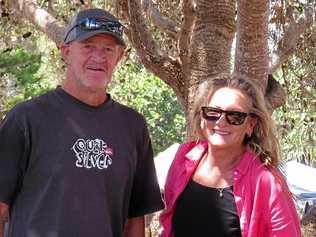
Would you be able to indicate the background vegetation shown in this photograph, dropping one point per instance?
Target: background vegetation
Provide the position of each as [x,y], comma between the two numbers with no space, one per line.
[30,65]
[25,74]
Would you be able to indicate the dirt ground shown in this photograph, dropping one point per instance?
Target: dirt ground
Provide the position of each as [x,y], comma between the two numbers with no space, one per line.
[309,227]
[153,227]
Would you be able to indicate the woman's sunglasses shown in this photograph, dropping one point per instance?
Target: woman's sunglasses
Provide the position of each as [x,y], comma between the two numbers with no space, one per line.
[88,24]
[232,117]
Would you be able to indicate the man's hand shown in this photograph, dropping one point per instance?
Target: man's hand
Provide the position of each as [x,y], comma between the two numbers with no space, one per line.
[4,217]
[134,227]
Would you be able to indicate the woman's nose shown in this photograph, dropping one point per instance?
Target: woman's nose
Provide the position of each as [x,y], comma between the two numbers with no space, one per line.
[222,119]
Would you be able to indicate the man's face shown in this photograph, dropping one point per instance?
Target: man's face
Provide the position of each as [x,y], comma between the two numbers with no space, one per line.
[90,63]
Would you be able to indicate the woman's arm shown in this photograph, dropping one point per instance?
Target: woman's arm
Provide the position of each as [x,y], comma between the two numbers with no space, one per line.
[284,218]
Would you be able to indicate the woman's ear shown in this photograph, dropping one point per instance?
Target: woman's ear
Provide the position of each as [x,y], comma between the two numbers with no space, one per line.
[252,123]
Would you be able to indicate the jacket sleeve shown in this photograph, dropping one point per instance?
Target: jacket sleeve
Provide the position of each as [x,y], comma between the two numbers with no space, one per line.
[283,216]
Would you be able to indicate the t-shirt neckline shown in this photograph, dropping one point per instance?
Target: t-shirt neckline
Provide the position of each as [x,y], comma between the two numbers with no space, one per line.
[73,100]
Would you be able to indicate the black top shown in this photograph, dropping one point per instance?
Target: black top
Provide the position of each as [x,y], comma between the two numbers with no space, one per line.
[202,211]
[68,169]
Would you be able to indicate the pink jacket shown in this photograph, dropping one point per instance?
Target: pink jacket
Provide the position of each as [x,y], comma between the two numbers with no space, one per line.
[263,202]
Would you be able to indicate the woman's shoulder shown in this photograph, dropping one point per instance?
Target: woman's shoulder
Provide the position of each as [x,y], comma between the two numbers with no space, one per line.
[269,178]
[186,147]
[266,175]
[191,150]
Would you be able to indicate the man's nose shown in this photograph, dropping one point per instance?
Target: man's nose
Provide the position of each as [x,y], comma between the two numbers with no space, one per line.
[99,55]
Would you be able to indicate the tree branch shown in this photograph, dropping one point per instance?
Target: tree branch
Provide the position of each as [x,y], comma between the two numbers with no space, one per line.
[167,68]
[209,41]
[184,39]
[29,9]
[164,23]
[275,94]
[286,46]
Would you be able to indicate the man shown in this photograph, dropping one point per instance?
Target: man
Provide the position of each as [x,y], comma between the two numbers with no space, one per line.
[73,162]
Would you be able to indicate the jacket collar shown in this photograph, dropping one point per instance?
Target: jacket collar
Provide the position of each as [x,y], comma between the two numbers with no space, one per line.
[194,155]
[197,152]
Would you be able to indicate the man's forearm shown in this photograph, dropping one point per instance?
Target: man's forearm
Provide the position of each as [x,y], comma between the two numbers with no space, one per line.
[4,216]
[1,229]
[135,227]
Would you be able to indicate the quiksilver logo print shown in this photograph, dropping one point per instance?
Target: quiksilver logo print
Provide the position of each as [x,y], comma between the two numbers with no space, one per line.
[92,154]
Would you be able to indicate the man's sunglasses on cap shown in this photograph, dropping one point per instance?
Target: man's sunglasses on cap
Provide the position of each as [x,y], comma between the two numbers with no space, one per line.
[89,24]
[232,117]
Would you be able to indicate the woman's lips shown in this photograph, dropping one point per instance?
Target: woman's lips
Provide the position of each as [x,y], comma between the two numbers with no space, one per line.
[221,132]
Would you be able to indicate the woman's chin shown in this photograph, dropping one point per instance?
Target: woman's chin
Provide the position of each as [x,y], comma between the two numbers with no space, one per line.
[221,143]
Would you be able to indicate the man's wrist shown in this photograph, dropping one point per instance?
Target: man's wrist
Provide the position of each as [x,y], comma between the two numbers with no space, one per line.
[4,212]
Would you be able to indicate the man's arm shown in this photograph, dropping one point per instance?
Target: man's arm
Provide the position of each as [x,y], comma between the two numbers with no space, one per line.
[4,216]
[134,227]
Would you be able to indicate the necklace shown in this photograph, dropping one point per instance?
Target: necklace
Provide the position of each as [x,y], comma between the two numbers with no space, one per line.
[220,190]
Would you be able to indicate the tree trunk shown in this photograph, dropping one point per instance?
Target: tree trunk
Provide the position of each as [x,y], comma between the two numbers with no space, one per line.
[202,37]
[251,57]
[210,45]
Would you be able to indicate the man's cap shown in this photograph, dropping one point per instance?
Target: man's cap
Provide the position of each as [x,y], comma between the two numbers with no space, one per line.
[74,32]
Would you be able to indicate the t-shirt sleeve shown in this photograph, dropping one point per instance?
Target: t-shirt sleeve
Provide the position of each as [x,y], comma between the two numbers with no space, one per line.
[145,197]
[12,149]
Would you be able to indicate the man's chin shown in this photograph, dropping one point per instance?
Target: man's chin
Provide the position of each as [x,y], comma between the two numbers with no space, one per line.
[96,86]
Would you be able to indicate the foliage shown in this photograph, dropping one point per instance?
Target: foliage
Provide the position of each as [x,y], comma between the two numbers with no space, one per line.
[20,67]
[136,87]
[296,118]
[32,74]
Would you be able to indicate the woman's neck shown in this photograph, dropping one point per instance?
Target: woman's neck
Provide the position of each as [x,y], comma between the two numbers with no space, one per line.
[224,160]
[217,166]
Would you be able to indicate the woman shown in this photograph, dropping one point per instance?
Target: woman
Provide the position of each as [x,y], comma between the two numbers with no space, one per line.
[226,182]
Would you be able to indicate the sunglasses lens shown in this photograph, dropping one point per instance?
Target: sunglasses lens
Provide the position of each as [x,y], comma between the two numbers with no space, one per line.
[232,117]
[89,24]
[96,24]
[235,118]
[211,114]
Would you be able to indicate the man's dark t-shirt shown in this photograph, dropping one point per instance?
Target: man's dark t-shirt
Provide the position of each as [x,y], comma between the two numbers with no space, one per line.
[69,169]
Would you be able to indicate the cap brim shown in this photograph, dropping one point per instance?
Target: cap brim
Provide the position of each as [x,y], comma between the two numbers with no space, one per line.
[88,34]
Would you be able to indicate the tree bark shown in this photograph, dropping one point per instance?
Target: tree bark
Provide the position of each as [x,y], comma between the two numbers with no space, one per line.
[41,19]
[210,43]
[251,57]
[286,46]
[162,22]
[203,41]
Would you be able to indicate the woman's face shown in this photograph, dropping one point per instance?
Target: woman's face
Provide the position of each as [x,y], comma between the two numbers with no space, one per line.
[222,123]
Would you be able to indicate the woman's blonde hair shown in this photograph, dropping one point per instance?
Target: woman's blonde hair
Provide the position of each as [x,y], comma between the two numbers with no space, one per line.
[263,140]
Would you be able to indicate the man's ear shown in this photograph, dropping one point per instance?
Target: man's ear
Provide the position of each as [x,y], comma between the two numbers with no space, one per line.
[121,54]
[64,50]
